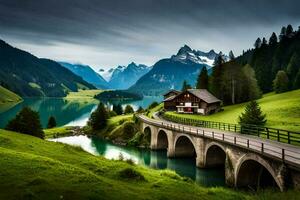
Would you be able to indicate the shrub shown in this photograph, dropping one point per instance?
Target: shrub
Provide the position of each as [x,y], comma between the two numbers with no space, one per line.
[51,122]
[112,113]
[128,130]
[28,122]
[118,109]
[128,109]
[153,105]
[140,110]
[131,174]
[281,82]
[98,118]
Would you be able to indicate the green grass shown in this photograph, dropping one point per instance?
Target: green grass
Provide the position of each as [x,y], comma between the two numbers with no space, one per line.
[283,111]
[31,168]
[113,127]
[58,131]
[34,85]
[83,95]
[155,109]
[8,99]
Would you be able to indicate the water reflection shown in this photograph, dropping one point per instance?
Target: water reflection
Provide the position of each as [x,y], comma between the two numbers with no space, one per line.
[70,113]
[154,159]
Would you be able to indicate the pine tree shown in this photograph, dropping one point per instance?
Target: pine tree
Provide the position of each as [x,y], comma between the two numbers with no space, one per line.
[252,115]
[282,33]
[257,43]
[98,118]
[51,122]
[185,86]
[219,59]
[273,39]
[252,89]
[140,109]
[128,109]
[281,82]
[297,81]
[264,42]
[28,122]
[293,67]
[118,109]
[289,30]
[231,55]
[216,77]
[202,81]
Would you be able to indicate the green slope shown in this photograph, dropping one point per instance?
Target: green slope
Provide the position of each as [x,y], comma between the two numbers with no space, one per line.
[8,99]
[283,111]
[36,169]
[8,96]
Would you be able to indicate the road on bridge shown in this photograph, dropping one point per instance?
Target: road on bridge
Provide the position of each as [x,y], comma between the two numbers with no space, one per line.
[270,148]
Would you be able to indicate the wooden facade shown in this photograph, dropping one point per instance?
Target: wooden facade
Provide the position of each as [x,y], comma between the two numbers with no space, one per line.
[192,101]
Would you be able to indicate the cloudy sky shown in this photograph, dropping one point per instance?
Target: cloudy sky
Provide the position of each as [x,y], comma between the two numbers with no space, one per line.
[107,33]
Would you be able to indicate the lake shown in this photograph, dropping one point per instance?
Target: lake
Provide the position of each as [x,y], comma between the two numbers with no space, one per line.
[153,159]
[66,113]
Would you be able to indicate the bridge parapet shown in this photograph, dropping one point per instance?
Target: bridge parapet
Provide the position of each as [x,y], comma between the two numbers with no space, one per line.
[240,154]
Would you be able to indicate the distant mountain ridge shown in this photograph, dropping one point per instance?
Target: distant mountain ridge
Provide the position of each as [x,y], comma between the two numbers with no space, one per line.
[87,73]
[29,76]
[123,77]
[170,73]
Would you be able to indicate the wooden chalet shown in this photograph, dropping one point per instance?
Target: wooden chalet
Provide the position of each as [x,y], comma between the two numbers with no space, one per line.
[198,101]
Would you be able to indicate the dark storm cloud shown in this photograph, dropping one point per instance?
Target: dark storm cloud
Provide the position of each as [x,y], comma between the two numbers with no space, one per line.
[136,28]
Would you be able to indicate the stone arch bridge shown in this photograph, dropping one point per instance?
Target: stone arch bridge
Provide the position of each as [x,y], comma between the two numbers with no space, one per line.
[248,161]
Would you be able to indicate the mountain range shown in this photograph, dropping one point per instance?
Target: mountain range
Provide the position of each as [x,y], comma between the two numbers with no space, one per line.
[170,73]
[29,76]
[88,74]
[124,77]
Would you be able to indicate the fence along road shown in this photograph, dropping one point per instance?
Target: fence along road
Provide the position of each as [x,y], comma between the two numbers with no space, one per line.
[276,150]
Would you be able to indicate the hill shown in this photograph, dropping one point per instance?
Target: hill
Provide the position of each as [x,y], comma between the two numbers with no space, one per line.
[32,168]
[8,96]
[283,111]
[171,72]
[87,73]
[29,76]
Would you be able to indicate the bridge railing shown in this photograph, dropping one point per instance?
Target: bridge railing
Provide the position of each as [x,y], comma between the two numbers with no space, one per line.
[285,136]
[277,152]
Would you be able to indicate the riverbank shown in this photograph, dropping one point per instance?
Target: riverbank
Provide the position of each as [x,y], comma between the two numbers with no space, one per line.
[65,172]
[121,130]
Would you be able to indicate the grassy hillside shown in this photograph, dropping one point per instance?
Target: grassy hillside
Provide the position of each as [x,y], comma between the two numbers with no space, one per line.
[32,168]
[8,99]
[83,95]
[283,111]
[8,96]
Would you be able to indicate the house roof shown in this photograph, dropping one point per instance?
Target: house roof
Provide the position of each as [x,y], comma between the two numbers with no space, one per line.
[170,98]
[176,91]
[200,93]
[204,95]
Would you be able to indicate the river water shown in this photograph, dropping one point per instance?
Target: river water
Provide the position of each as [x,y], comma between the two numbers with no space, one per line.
[77,113]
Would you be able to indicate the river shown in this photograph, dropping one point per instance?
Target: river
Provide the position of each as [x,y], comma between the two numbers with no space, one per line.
[74,113]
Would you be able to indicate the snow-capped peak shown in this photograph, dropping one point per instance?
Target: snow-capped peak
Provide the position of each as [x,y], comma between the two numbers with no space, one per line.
[187,55]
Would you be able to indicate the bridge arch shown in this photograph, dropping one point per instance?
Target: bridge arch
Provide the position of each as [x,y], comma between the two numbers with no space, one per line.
[148,133]
[184,146]
[215,155]
[254,172]
[162,139]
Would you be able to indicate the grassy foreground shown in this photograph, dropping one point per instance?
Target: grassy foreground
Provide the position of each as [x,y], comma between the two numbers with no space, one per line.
[283,111]
[31,168]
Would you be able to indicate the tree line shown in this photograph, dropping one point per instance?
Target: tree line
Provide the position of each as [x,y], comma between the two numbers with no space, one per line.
[270,66]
